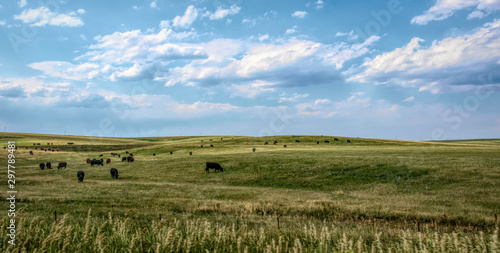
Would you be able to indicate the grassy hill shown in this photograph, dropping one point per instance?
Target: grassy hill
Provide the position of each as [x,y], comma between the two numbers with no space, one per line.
[370,193]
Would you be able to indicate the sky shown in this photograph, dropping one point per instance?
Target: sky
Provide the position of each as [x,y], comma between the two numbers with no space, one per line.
[395,69]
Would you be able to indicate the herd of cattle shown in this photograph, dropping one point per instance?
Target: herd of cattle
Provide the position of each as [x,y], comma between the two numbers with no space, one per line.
[130,158]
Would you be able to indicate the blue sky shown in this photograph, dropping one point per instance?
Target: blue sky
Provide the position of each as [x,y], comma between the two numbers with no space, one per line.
[414,70]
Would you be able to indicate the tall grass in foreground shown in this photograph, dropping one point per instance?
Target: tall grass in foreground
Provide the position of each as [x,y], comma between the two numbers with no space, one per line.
[200,235]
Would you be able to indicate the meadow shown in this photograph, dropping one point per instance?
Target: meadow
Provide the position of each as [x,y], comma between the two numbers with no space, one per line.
[370,195]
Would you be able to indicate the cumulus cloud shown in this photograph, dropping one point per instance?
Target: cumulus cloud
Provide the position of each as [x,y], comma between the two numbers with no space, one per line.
[452,61]
[299,14]
[263,37]
[253,89]
[3,22]
[187,19]
[221,13]
[42,16]
[443,9]
[320,107]
[22,3]
[291,30]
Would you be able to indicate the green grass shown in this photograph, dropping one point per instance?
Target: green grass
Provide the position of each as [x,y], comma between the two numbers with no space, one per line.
[364,190]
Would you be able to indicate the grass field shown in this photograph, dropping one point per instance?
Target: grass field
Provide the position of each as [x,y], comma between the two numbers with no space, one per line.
[367,195]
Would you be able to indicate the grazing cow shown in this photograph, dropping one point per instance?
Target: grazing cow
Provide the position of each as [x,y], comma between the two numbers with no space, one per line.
[114,173]
[42,166]
[348,141]
[4,147]
[48,165]
[48,143]
[253,150]
[108,161]
[45,150]
[98,162]
[119,155]
[131,154]
[80,174]
[297,141]
[34,144]
[49,149]
[36,148]
[211,145]
[317,142]
[190,153]
[201,146]
[53,150]
[31,152]
[210,139]
[51,143]
[88,160]
[38,144]
[154,154]
[215,166]
[126,152]
[124,159]
[284,146]
[171,152]
[221,139]
[275,142]
[70,143]
[100,155]
[61,165]
[26,147]
[327,141]
[265,143]
[335,139]
[130,159]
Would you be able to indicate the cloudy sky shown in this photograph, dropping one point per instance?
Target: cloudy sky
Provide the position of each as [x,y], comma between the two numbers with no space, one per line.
[414,70]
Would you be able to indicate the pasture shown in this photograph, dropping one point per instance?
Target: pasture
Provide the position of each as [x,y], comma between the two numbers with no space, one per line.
[370,194]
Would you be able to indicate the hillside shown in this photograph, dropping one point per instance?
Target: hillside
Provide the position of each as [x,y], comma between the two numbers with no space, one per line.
[364,186]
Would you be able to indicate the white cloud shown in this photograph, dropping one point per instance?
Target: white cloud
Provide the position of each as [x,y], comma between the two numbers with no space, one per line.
[81,11]
[409,99]
[293,98]
[351,36]
[263,37]
[252,90]
[43,16]
[221,13]
[68,70]
[199,107]
[299,14]
[476,14]
[320,107]
[164,24]
[443,9]
[291,30]
[153,4]
[251,22]
[22,3]
[3,22]
[187,19]
[452,61]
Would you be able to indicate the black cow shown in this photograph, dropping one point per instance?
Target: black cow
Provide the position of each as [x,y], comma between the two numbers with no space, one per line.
[335,139]
[42,166]
[327,141]
[317,142]
[131,154]
[190,153]
[297,141]
[201,146]
[275,142]
[211,145]
[215,166]
[154,154]
[130,159]
[253,150]
[126,152]
[80,174]
[114,173]
[97,162]
[48,165]
[348,141]
[61,165]
[119,155]
[171,152]
[31,152]
[284,146]
[124,159]
[100,155]
[265,143]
